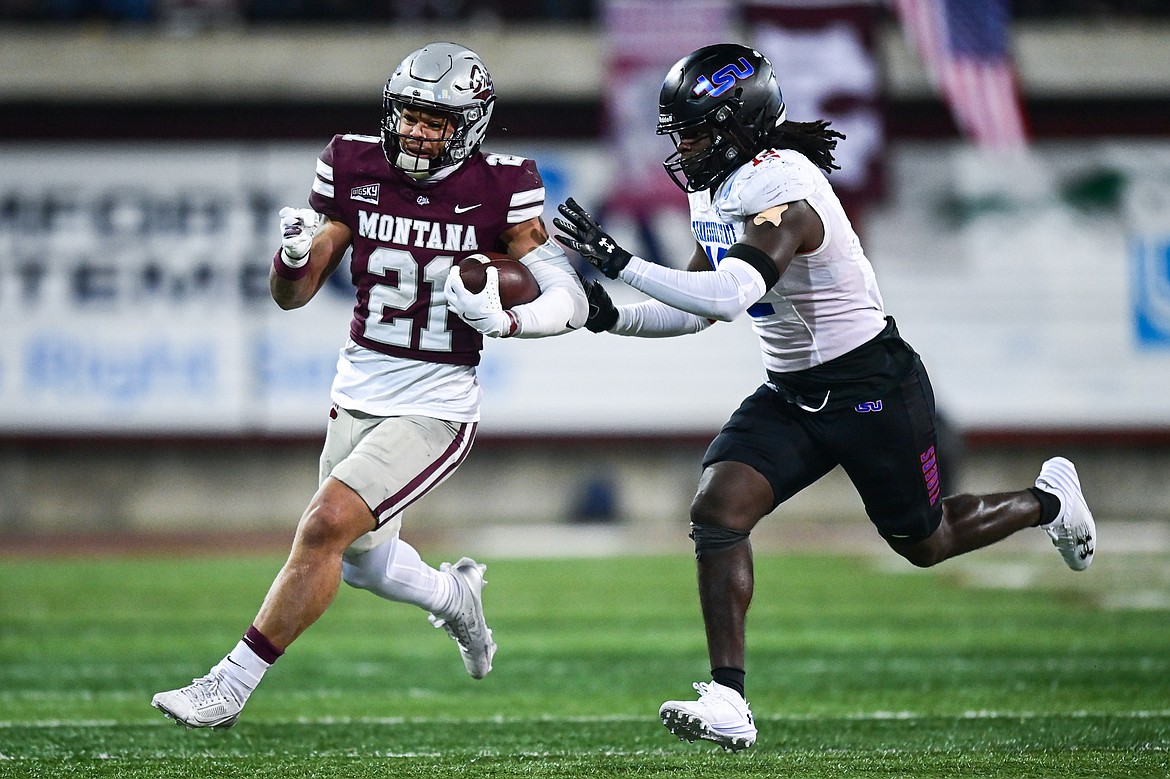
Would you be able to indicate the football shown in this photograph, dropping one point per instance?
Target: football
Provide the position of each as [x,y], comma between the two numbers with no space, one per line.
[517,284]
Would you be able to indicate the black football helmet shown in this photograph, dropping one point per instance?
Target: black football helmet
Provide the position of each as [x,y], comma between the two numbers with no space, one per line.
[728,90]
[445,79]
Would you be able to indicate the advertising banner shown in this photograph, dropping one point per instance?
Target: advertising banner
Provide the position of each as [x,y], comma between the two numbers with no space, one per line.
[134,298]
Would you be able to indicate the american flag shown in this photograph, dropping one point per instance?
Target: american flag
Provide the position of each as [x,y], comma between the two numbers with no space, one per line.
[964,46]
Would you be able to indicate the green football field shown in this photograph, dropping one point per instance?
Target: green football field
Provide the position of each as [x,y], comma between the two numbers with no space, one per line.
[994,665]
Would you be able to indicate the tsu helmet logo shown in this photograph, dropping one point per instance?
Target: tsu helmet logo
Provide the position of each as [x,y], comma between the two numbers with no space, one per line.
[723,79]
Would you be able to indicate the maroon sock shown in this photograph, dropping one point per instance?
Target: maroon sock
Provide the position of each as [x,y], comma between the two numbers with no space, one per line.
[260,644]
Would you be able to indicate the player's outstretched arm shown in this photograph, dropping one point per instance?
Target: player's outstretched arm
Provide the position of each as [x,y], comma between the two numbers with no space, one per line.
[311,247]
[647,319]
[719,294]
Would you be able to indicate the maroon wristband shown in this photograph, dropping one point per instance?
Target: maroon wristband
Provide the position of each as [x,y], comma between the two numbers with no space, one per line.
[286,271]
[515,324]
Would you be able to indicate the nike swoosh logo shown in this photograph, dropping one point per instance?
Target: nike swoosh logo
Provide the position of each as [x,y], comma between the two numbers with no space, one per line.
[465,209]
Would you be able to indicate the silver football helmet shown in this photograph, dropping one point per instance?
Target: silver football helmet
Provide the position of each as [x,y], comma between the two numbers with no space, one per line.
[440,78]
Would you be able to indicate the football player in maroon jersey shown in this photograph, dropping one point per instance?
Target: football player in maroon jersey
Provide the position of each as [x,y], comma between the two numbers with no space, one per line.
[409,204]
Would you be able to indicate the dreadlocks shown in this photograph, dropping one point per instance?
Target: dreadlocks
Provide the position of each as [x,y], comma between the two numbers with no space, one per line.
[812,139]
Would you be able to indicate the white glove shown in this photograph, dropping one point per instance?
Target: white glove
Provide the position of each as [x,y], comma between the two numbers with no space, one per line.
[482,310]
[297,228]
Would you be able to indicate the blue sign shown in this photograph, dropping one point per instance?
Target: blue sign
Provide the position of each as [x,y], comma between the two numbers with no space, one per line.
[1150,288]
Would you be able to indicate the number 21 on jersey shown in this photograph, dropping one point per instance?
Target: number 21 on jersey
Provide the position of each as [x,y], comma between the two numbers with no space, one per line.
[431,323]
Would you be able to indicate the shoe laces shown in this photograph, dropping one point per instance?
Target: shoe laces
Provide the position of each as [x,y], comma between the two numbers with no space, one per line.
[461,635]
[710,690]
[204,690]
[703,688]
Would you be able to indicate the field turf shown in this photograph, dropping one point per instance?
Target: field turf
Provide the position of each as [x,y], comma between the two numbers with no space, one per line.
[995,665]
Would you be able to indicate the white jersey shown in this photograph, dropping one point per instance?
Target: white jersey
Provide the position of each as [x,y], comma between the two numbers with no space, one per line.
[827,302]
[387,385]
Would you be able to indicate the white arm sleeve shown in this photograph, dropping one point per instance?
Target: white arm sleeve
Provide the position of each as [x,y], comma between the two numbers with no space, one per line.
[655,319]
[562,305]
[721,294]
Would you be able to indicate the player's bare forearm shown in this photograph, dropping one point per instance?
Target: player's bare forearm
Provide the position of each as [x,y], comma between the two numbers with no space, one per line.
[290,294]
[329,247]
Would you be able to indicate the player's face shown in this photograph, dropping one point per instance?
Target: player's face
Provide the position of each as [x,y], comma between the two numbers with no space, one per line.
[423,132]
[693,140]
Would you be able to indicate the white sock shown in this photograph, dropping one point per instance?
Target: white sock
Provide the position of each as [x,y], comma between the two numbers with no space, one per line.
[241,670]
[395,571]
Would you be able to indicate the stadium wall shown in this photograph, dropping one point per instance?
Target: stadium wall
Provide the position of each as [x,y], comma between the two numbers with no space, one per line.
[511,497]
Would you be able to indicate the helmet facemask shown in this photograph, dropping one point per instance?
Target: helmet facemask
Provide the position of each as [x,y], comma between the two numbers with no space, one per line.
[455,145]
[731,145]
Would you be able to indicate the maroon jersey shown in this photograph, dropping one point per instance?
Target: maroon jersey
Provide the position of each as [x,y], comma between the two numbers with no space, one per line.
[407,234]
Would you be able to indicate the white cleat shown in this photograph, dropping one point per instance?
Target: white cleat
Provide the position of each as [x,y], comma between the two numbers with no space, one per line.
[204,703]
[468,626]
[1073,532]
[720,715]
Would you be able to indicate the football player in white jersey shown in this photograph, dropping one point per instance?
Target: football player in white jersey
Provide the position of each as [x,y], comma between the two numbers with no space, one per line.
[409,204]
[842,388]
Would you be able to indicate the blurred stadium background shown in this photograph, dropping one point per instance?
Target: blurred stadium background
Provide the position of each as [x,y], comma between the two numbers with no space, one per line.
[148,384]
